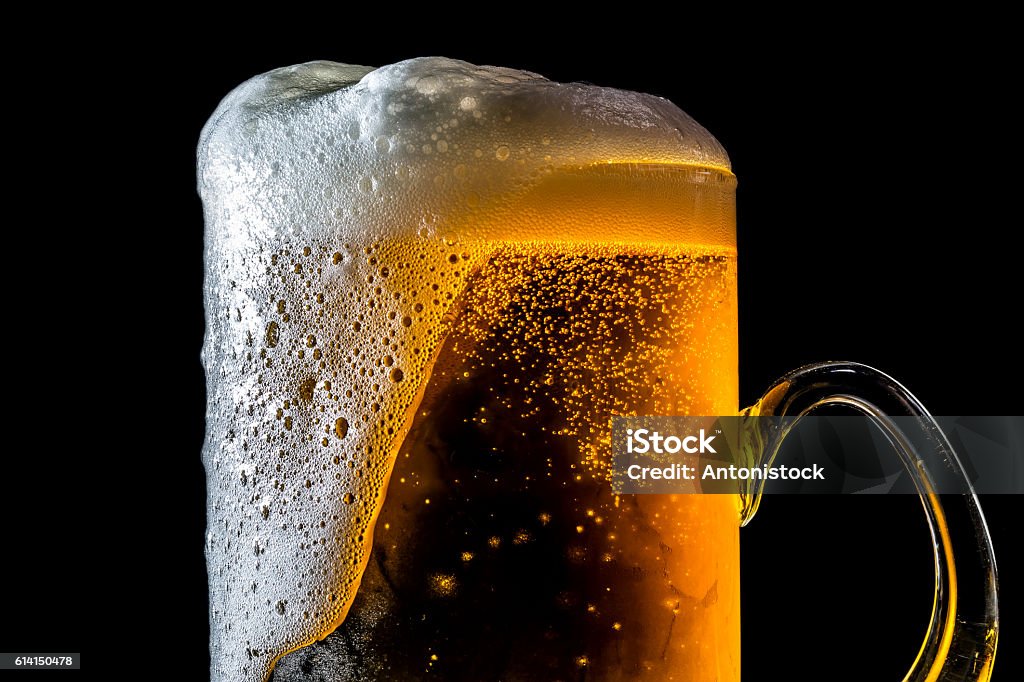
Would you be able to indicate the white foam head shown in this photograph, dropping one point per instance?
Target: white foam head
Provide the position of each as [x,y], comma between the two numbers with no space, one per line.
[376,150]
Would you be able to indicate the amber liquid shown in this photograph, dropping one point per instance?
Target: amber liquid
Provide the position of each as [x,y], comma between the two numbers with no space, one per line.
[500,552]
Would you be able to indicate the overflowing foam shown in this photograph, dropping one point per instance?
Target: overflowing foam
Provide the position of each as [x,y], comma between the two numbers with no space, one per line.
[311,149]
[345,208]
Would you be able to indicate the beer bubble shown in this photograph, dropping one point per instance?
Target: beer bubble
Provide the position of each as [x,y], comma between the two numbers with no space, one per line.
[443,585]
[273,334]
[428,85]
[501,153]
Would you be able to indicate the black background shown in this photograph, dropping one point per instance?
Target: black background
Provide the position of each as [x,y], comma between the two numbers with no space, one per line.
[873,226]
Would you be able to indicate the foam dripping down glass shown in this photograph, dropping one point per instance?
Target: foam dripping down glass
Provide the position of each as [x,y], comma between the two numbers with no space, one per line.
[428,289]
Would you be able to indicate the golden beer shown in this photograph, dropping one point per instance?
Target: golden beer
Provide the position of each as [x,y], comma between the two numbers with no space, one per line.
[429,288]
[500,551]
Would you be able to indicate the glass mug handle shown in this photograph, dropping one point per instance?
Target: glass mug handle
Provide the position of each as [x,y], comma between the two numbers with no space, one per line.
[960,643]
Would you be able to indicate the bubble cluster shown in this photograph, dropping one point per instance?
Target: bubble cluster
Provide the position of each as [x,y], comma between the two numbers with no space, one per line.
[500,539]
[346,209]
[616,331]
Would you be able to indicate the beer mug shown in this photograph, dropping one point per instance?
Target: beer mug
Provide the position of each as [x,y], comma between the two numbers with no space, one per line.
[429,288]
